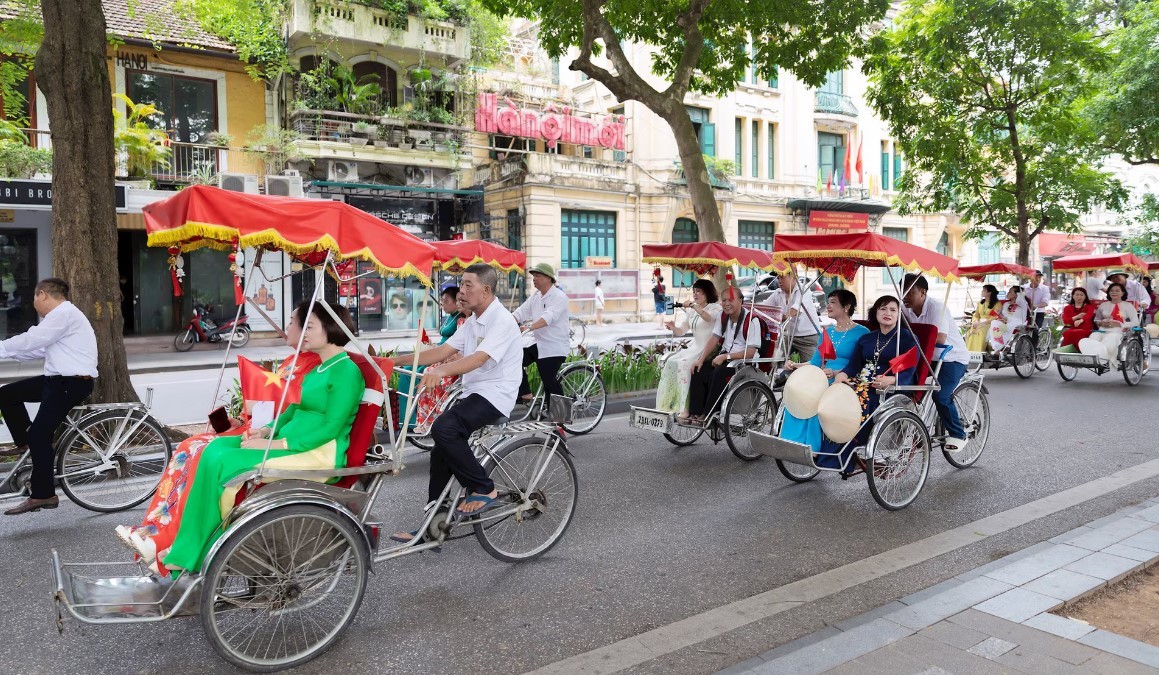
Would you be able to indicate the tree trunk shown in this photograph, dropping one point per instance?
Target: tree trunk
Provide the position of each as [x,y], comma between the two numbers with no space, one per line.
[72,72]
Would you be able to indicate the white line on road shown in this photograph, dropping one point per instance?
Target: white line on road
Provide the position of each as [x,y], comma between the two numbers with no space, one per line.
[720,620]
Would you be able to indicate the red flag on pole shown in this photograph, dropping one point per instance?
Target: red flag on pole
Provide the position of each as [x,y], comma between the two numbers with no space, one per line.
[848,159]
[259,384]
[860,175]
[904,362]
[829,184]
[424,338]
[828,351]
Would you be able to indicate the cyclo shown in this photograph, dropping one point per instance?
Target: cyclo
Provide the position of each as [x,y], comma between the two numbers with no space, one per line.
[748,399]
[288,573]
[1029,349]
[905,427]
[1133,350]
[581,380]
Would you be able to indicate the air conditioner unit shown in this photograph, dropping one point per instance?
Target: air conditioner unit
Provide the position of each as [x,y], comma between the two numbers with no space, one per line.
[291,172]
[342,172]
[238,182]
[284,186]
[417,176]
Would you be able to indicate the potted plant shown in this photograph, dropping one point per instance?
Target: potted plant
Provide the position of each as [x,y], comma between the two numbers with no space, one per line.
[360,133]
[218,139]
[144,147]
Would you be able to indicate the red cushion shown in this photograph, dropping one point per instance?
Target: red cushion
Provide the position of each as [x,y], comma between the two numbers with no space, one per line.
[926,335]
[369,411]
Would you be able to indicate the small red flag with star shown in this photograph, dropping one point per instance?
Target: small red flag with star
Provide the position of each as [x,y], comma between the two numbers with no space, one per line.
[259,384]
[904,362]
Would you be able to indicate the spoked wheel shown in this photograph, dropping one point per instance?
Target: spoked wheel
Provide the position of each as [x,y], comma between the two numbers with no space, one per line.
[901,460]
[798,473]
[284,587]
[532,472]
[1133,362]
[684,435]
[241,336]
[584,384]
[1042,354]
[1067,373]
[1022,354]
[425,441]
[974,410]
[576,332]
[184,340]
[749,406]
[113,460]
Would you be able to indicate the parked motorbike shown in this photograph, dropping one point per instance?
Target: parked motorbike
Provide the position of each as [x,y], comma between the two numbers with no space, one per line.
[201,328]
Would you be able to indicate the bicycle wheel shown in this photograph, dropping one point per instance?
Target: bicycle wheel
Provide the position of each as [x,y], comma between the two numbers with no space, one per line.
[1042,353]
[584,383]
[798,473]
[184,340]
[113,460]
[974,410]
[576,332]
[551,500]
[749,406]
[1133,362]
[900,460]
[684,435]
[283,587]
[1022,355]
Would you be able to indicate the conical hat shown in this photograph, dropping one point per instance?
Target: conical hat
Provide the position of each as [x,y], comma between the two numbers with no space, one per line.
[803,390]
[840,413]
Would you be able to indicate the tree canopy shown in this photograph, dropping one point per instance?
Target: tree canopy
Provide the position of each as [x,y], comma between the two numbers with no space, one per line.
[986,110]
[1125,107]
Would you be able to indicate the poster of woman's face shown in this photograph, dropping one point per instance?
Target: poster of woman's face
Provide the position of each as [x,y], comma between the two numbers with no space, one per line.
[370,296]
[398,309]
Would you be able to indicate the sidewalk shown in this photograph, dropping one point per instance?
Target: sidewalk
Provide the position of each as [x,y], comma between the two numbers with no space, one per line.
[155,354]
[996,618]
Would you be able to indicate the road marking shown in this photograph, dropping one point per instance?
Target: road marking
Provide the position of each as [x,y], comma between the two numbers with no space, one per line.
[675,636]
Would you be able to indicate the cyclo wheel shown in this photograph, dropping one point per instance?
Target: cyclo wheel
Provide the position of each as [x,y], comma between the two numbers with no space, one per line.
[1022,356]
[748,406]
[283,587]
[1042,354]
[972,403]
[683,435]
[113,460]
[798,473]
[583,383]
[1067,373]
[1132,364]
[576,332]
[900,461]
[531,533]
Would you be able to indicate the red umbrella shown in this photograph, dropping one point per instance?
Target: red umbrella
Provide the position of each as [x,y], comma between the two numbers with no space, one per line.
[201,216]
[704,257]
[843,254]
[979,271]
[1091,263]
[455,256]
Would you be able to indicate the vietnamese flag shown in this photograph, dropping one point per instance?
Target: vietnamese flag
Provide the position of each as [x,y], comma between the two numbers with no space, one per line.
[858,166]
[259,384]
[904,362]
[425,339]
[828,351]
[848,158]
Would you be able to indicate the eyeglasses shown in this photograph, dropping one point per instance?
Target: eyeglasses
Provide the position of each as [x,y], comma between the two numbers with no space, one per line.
[396,305]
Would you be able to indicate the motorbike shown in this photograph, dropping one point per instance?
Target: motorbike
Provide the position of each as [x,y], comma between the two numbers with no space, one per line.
[201,328]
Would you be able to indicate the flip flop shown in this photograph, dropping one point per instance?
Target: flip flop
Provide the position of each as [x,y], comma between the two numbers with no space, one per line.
[475,499]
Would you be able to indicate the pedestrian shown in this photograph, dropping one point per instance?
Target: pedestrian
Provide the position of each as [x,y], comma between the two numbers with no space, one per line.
[599,303]
[64,338]
[658,298]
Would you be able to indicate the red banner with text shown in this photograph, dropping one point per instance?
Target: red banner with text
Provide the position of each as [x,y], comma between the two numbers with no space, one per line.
[839,220]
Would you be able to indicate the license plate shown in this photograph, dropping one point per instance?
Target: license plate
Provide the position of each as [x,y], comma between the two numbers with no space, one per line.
[652,421]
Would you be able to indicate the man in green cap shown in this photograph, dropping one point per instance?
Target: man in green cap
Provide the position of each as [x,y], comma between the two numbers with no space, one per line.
[545,315]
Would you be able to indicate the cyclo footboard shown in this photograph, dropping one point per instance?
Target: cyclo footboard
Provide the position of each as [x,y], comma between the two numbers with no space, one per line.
[779,448]
[119,592]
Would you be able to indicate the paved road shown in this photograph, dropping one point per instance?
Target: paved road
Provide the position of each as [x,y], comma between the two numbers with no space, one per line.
[661,534]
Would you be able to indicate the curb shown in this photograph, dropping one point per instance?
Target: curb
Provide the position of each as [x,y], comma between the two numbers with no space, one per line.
[1023,588]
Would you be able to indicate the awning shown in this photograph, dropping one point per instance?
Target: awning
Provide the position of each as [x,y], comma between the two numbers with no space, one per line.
[1098,263]
[1051,244]
[850,205]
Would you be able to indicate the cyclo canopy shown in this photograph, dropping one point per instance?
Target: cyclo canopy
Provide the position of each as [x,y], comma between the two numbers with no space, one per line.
[844,254]
[453,257]
[1092,263]
[705,257]
[979,271]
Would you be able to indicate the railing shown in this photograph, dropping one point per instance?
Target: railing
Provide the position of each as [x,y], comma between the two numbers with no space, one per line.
[520,86]
[361,22]
[831,103]
[333,126]
[562,166]
[193,162]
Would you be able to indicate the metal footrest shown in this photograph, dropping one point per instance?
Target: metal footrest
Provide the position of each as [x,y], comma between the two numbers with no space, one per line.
[119,592]
[779,448]
[1080,360]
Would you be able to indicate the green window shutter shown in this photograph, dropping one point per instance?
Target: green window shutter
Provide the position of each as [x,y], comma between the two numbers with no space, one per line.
[685,231]
[708,139]
[739,145]
[896,168]
[756,147]
[756,234]
[892,274]
[771,140]
[586,233]
[885,170]
[774,80]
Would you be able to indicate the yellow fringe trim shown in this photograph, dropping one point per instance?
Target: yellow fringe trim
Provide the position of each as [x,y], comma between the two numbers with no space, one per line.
[677,262]
[222,238]
[450,264]
[1130,268]
[891,261]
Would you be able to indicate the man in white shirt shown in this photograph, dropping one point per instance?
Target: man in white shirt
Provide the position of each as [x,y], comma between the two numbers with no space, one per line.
[1136,292]
[545,315]
[64,338]
[801,323]
[1094,286]
[490,348]
[1037,298]
[736,342]
[920,308]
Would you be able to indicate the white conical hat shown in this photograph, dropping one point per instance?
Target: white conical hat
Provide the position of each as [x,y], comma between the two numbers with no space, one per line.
[1153,331]
[803,390]
[1092,347]
[840,413]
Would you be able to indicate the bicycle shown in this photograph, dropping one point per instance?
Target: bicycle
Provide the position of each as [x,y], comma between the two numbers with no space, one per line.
[109,457]
[581,381]
[576,332]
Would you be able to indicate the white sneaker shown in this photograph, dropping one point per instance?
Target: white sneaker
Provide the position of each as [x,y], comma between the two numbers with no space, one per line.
[955,445]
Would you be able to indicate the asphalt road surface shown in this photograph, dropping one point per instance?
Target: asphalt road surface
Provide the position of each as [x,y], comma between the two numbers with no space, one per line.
[661,534]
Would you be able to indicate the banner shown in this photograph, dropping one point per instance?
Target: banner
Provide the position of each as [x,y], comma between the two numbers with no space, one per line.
[839,220]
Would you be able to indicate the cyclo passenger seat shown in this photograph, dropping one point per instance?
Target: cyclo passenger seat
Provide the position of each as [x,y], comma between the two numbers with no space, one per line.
[926,335]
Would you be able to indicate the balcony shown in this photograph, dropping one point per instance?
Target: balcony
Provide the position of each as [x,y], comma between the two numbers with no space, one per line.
[333,134]
[715,178]
[830,103]
[519,87]
[564,171]
[356,22]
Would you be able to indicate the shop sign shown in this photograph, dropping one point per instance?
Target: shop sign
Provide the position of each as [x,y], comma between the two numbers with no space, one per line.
[398,211]
[39,193]
[7,216]
[839,220]
[598,262]
[132,60]
[553,124]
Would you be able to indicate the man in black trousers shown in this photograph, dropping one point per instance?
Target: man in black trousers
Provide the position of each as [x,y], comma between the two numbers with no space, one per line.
[64,338]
